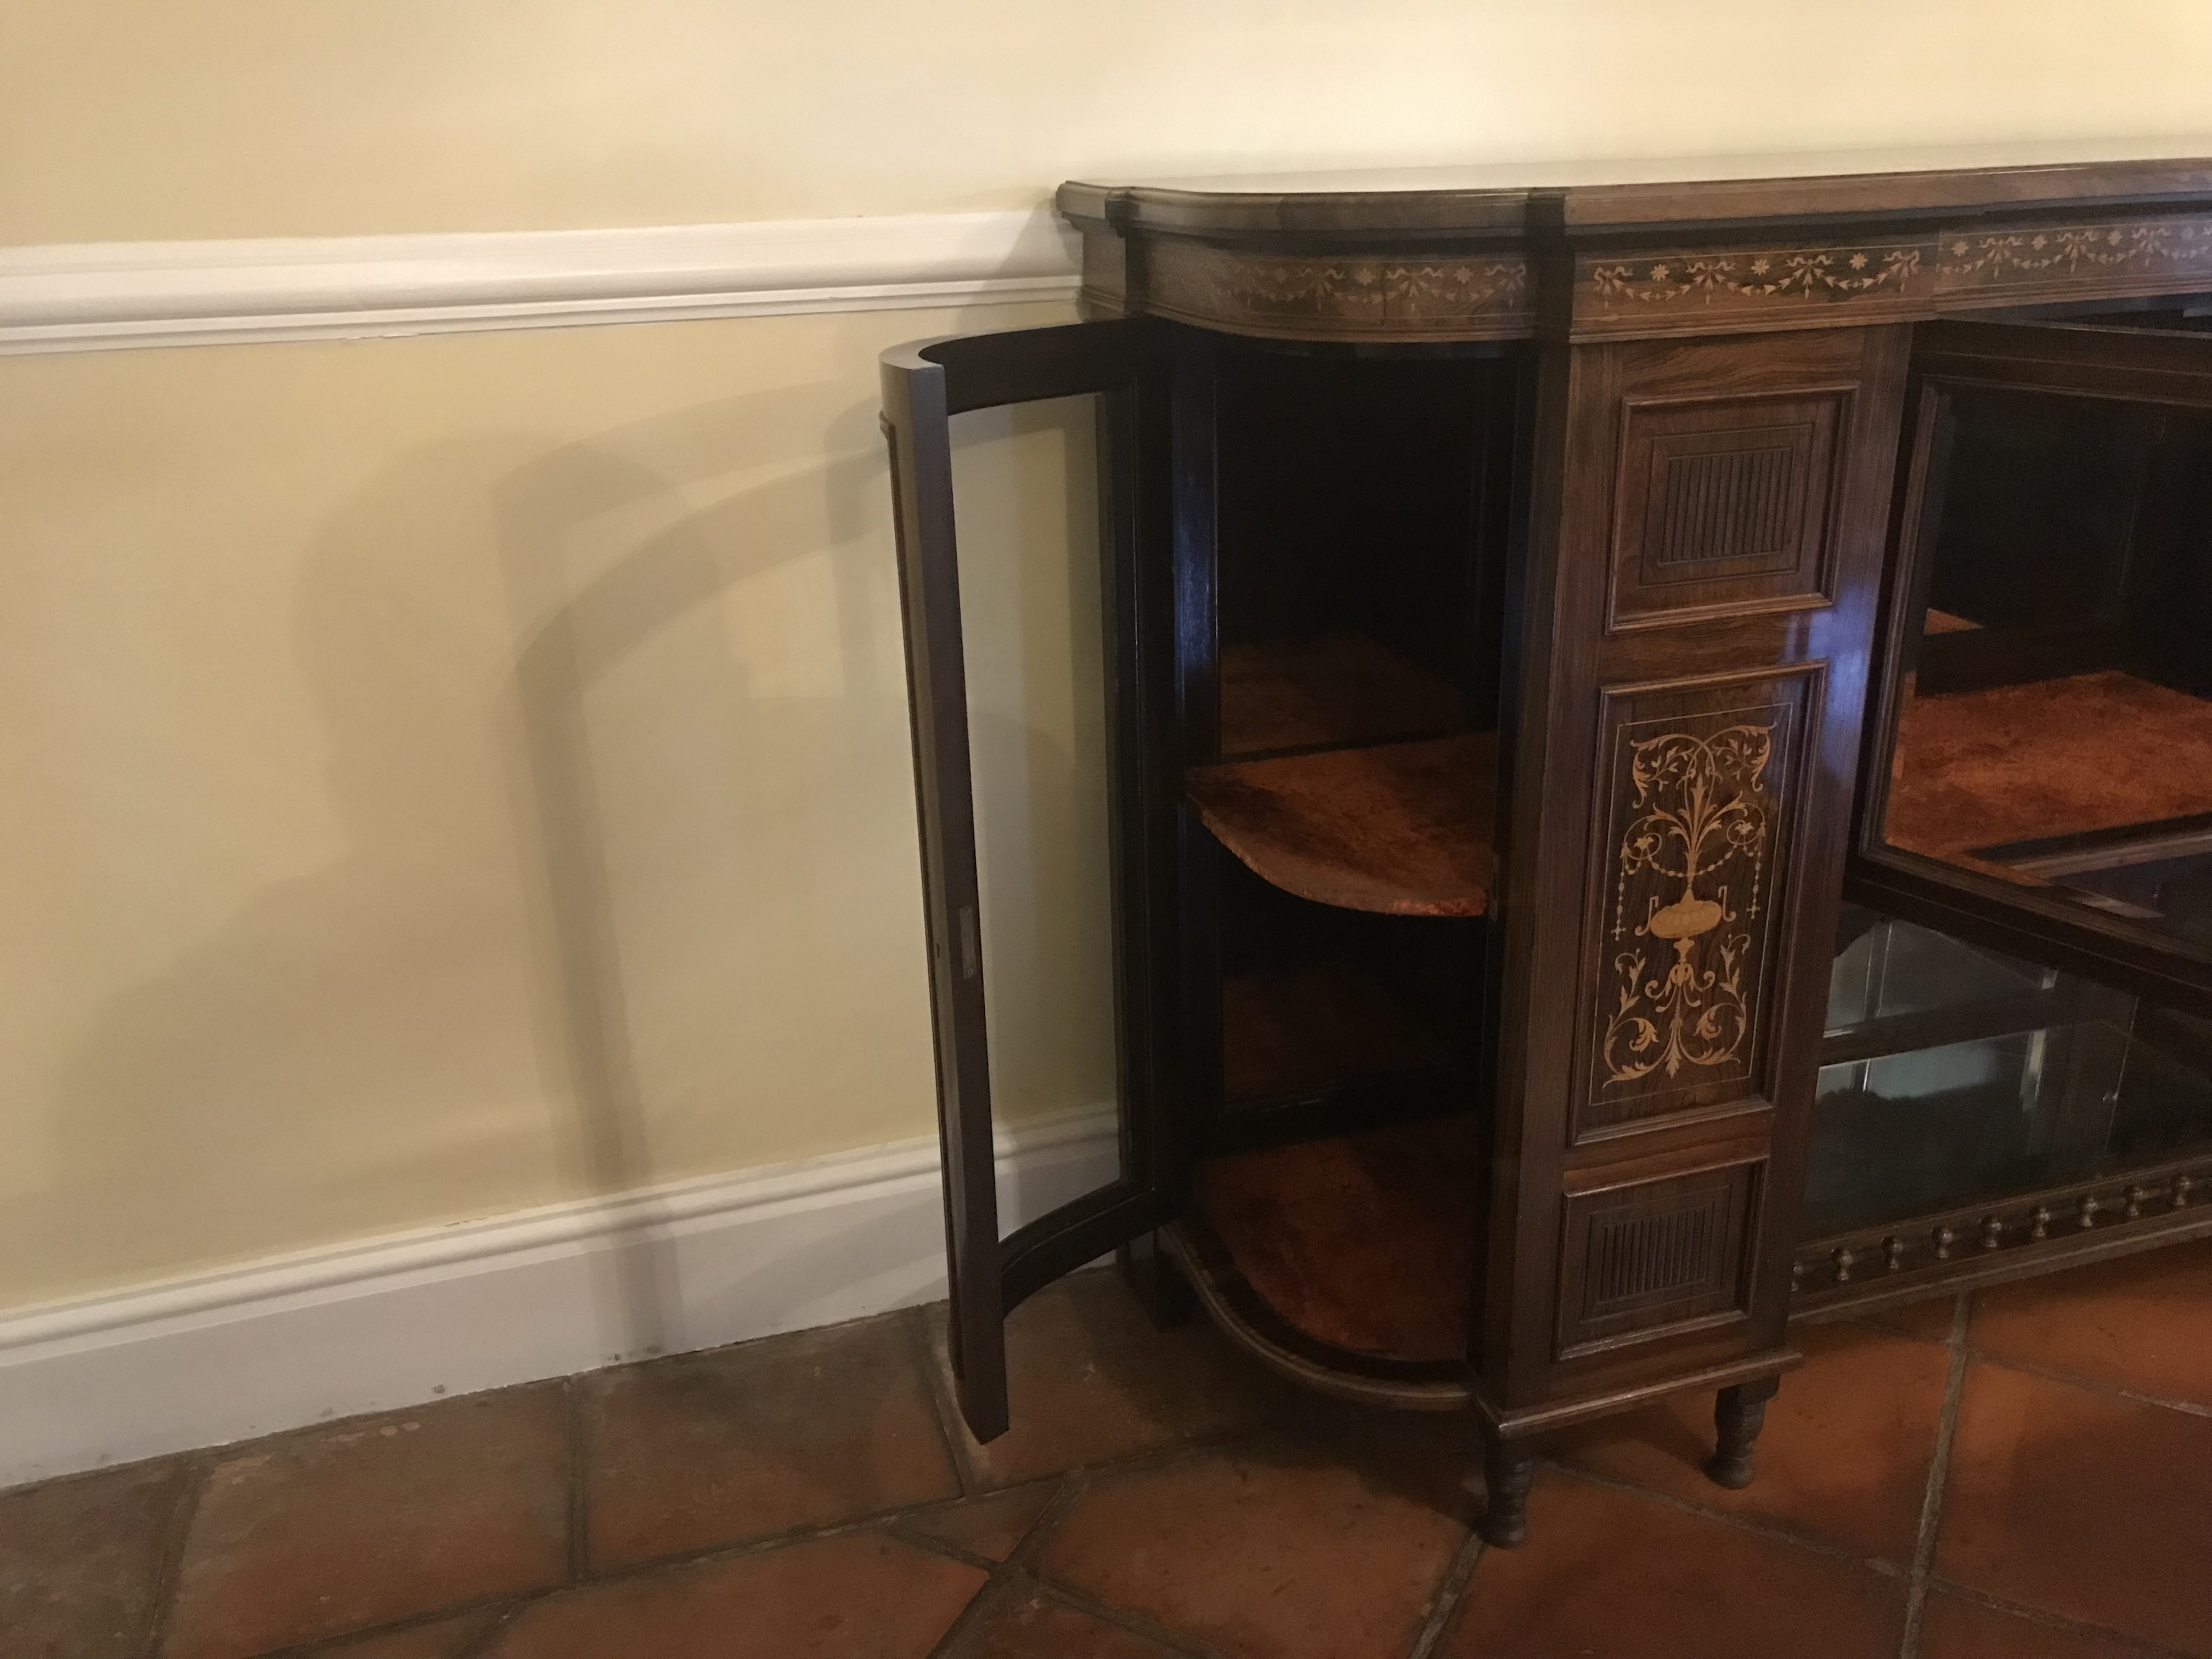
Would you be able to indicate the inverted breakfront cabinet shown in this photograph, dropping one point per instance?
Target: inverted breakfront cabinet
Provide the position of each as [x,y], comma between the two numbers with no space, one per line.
[1660,752]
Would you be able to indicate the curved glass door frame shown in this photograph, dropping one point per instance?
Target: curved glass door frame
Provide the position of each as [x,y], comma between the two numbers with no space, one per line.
[2122,369]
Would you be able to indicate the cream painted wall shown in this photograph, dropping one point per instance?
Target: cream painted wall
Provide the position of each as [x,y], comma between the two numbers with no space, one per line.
[238,118]
[447,776]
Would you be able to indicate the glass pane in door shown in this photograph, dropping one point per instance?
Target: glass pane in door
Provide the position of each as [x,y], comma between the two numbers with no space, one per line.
[1957,1075]
[2054,727]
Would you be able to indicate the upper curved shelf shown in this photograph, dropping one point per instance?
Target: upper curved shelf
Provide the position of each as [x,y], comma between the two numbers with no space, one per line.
[1403,828]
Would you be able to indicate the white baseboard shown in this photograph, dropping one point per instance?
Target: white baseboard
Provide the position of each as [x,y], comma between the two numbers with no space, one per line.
[395,1322]
[102,296]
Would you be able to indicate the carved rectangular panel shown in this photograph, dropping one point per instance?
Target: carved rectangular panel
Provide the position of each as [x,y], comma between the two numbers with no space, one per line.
[1725,506]
[1700,788]
[1638,1260]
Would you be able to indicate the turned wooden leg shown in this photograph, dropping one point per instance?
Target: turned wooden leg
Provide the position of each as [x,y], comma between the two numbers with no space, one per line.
[1508,1469]
[1739,1413]
[1165,1294]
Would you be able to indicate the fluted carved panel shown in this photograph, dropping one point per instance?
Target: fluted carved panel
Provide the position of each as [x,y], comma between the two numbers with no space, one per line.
[1724,505]
[1644,1257]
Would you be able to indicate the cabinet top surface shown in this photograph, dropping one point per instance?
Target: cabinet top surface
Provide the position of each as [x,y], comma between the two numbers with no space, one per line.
[1496,197]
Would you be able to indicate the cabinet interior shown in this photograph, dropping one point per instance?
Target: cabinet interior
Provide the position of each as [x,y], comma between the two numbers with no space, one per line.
[2054,727]
[1344,795]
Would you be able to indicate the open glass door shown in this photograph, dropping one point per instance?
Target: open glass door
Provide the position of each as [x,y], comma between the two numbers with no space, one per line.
[1123,367]
[2039,775]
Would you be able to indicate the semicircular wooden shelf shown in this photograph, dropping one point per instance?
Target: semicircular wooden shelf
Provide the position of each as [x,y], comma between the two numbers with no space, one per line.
[1400,828]
[1348,1262]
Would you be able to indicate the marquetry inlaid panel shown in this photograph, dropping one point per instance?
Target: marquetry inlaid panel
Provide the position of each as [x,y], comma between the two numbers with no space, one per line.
[1448,296]
[1703,290]
[1706,290]
[1699,791]
[1639,1259]
[2013,265]
[1725,506]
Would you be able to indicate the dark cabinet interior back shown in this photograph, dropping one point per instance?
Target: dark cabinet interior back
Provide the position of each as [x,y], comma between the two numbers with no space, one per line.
[1361,495]
[1365,491]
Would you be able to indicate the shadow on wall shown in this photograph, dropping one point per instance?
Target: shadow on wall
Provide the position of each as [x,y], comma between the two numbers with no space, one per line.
[617,734]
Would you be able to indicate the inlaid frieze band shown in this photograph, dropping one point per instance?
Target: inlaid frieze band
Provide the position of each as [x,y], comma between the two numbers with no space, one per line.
[1476,296]
[2012,263]
[1698,289]
[1789,275]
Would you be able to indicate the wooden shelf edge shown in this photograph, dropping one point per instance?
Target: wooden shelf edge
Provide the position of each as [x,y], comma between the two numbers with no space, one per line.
[1399,829]
[1247,1320]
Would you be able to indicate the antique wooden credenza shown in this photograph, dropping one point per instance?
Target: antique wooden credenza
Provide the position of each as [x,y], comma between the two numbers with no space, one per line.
[1661,735]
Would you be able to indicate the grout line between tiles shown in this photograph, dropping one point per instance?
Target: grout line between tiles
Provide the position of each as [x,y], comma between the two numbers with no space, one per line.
[578,1494]
[1120,1618]
[500,1605]
[986,1596]
[2091,1384]
[894,1520]
[2020,1610]
[1876,1564]
[1451,1593]
[906,1523]
[1939,1469]
[1056,1508]
[481,1642]
[1021,1569]
[950,1424]
[199,1468]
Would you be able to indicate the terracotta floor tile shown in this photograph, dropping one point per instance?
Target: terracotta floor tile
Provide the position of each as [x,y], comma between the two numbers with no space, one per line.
[1625,1578]
[861,1595]
[993,1526]
[443,1639]
[741,1443]
[81,1562]
[1024,1623]
[1269,1554]
[360,1524]
[2085,1505]
[1090,1379]
[1953,1628]
[2141,1323]
[1844,1454]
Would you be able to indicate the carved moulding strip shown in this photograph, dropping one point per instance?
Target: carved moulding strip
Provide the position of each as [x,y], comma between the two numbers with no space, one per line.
[1697,807]
[1700,290]
[1932,1247]
[1482,296]
[2007,264]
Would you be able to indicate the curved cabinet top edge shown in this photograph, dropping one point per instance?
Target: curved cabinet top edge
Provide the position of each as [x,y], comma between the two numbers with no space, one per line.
[1512,198]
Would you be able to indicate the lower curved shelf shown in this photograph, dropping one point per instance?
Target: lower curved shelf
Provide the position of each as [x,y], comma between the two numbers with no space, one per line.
[1347,1264]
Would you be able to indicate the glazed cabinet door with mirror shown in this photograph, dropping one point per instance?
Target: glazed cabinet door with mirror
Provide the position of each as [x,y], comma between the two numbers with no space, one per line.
[2018,1065]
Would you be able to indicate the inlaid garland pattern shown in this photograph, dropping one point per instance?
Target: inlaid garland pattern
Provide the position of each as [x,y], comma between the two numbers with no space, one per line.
[1760,277]
[1407,295]
[1702,815]
[2150,248]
